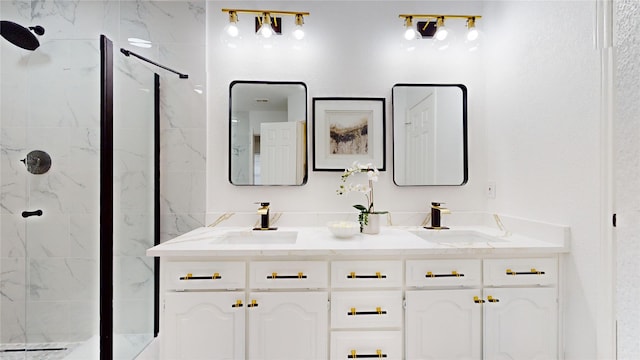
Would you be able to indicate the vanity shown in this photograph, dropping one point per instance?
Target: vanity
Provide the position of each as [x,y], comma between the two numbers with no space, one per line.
[474,291]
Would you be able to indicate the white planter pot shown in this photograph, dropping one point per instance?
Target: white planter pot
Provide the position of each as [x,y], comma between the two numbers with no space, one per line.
[373,224]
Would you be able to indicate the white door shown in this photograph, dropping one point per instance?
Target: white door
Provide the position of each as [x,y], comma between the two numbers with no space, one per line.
[203,325]
[521,323]
[443,324]
[420,141]
[279,153]
[288,325]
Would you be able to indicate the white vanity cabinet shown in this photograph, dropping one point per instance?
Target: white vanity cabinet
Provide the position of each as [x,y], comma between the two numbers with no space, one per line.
[366,309]
[444,309]
[390,296]
[218,310]
[511,314]
[521,308]
[203,313]
[203,325]
[288,310]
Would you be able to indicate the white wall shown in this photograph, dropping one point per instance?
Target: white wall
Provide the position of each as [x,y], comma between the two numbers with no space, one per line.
[534,117]
[627,153]
[353,50]
[543,122]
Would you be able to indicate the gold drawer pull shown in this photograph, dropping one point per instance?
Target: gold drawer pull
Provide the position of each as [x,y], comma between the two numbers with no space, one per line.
[377,355]
[378,275]
[254,303]
[189,276]
[492,300]
[237,304]
[454,273]
[532,272]
[378,311]
[274,275]
[477,300]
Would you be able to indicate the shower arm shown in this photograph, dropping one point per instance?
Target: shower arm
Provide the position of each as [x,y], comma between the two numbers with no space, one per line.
[127,53]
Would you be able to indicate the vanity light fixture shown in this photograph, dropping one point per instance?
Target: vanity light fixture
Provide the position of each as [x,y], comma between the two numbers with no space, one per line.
[434,27]
[266,23]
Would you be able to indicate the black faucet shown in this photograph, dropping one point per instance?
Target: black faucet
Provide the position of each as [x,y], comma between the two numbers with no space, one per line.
[436,212]
[263,211]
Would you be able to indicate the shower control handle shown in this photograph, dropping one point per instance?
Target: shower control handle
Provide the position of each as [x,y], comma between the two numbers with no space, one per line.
[26,214]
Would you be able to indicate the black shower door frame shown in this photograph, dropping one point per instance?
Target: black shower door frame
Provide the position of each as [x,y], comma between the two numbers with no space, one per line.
[106,198]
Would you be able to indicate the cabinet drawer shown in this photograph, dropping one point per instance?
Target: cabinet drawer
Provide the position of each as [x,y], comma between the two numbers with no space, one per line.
[507,272]
[370,309]
[288,274]
[359,274]
[366,345]
[433,273]
[191,275]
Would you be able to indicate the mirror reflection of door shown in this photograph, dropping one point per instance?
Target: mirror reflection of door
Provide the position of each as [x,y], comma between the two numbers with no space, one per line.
[429,134]
[279,148]
[420,141]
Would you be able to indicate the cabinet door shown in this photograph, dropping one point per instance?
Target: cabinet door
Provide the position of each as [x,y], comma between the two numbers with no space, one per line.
[288,325]
[203,325]
[521,323]
[443,324]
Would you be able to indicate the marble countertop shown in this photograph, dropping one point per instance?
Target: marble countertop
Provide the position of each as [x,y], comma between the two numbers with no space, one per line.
[392,240]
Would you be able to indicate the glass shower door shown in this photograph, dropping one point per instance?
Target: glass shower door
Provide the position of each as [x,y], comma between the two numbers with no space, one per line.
[135,94]
[49,214]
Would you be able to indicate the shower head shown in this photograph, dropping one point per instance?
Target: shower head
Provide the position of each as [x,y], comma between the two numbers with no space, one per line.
[19,35]
[125,52]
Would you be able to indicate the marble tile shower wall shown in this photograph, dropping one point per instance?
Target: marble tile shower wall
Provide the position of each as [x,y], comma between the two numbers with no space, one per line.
[49,100]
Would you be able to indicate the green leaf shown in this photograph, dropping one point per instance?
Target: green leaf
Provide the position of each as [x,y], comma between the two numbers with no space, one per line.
[360,207]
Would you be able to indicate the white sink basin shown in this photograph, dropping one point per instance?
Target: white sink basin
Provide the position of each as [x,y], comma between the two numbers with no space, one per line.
[449,236]
[258,237]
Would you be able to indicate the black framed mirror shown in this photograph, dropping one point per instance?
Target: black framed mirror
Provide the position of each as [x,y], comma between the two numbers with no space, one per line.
[429,134]
[267,133]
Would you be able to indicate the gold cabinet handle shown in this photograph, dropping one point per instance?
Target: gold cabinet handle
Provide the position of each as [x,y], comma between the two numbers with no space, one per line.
[477,300]
[378,311]
[237,304]
[189,276]
[377,275]
[491,299]
[454,273]
[354,355]
[299,275]
[532,272]
[253,303]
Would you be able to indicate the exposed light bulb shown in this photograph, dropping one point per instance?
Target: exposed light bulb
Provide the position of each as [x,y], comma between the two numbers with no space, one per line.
[472,33]
[298,31]
[265,29]
[231,34]
[442,32]
[473,38]
[232,30]
[410,34]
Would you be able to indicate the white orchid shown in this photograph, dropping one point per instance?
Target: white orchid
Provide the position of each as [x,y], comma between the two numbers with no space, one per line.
[366,189]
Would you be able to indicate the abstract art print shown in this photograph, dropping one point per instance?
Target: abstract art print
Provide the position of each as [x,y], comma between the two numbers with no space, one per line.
[347,130]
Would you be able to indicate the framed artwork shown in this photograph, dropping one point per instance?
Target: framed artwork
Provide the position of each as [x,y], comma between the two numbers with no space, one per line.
[347,130]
